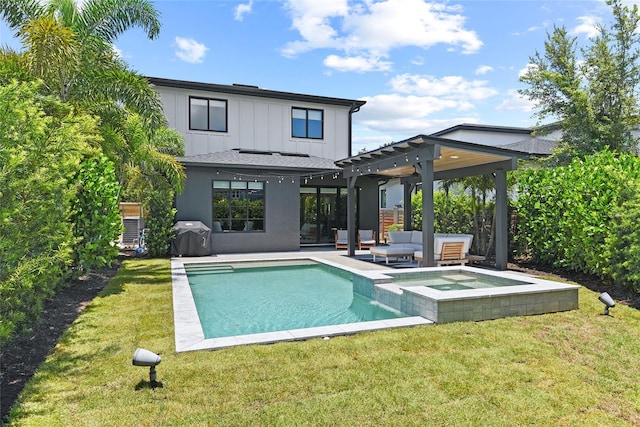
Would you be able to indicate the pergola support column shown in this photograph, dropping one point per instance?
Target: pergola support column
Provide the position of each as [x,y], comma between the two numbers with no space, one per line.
[408,217]
[502,221]
[351,213]
[425,168]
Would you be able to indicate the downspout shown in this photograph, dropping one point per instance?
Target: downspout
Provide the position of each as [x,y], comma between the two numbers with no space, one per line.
[355,107]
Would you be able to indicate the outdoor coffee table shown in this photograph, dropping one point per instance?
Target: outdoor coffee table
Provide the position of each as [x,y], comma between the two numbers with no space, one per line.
[391,252]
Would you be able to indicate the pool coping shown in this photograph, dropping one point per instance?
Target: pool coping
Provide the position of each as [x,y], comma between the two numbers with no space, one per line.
[189,335]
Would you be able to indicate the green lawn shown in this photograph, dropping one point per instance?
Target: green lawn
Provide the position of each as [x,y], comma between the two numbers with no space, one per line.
[576,368]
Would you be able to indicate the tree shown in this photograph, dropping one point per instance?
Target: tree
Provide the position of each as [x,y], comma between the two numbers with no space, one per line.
[70,49]
[150,174]
[41,149]
[594,99]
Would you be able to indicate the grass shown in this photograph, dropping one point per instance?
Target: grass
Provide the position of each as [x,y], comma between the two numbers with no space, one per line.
[576,368]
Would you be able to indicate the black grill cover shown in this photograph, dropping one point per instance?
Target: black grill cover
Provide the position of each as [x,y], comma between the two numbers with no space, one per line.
[192,238]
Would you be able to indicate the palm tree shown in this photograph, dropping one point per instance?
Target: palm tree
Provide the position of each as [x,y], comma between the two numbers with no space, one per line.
[147,160]
[70,49]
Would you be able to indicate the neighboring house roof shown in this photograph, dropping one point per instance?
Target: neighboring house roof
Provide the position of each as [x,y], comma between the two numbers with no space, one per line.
[238,89]
[251,159]
[536,146]
[485,128]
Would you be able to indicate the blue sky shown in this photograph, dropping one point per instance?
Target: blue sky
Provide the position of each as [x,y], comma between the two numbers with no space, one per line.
[422,66]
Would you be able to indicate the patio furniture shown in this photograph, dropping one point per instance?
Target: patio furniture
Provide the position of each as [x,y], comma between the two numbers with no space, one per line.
[366,239]
[452,253]
[387,252]
[342,239]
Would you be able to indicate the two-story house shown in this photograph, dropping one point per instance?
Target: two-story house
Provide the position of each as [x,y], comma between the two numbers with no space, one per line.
[260,164]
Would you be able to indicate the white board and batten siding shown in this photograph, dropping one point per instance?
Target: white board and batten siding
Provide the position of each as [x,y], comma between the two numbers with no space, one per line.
[256,123]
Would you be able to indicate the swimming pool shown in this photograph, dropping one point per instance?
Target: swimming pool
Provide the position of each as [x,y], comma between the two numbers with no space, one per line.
[190,332]
[251,298]
[421,295]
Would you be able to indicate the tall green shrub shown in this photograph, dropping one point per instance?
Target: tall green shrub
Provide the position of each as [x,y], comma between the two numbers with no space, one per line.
[96,218]
[567,213]
[454,213]
[159,222]
[622,246]
[41,146]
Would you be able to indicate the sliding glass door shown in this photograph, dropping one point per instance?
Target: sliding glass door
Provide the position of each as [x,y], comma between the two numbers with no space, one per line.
[322,211]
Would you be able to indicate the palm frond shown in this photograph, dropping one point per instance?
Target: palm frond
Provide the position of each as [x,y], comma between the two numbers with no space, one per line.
[51,52]
[107,19]
[16,12]
[122,87]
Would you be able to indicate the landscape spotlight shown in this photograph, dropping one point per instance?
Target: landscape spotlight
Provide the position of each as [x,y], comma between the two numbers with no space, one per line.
[144,357]
[608,302]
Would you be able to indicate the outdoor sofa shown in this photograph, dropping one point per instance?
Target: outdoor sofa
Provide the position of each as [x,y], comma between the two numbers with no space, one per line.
[408,244]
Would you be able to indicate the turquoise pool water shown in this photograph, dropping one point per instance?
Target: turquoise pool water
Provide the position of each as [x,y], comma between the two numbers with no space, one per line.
[453,281]
[242,299]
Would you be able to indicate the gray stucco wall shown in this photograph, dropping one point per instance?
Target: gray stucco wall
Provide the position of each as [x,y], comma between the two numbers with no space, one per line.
[282,220]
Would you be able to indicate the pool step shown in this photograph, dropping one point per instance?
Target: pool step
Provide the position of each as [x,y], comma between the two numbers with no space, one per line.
[202,269]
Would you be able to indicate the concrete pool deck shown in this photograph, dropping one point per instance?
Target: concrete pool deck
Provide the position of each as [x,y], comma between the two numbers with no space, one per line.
[424,305]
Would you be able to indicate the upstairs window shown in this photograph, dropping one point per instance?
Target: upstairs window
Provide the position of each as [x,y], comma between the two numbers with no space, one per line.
[306,123]
[208,114]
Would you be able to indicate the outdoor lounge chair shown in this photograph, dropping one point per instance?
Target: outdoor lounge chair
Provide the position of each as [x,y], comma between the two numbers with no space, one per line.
[366,239]
[342,239]
[452,253]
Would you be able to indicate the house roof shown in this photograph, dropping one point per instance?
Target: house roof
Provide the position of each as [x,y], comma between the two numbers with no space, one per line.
[485,128]
[252,159]
[536,146]
[247,90]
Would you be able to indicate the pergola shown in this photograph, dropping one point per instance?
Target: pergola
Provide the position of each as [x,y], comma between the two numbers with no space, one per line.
[425,159]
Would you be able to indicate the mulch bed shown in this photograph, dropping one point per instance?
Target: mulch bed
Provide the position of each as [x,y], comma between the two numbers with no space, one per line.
[20,359]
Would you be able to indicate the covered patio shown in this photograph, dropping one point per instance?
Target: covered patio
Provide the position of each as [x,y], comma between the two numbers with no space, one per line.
[426,159]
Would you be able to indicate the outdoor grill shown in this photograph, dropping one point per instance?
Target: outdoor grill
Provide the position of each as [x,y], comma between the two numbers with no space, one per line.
[192,238]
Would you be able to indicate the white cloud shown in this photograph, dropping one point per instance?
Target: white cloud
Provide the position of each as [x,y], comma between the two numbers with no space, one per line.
[418,60]
[373,29]
[588,26]
[368,143]
[447,87]
[516,102]
[483,69]
[117,51]
[358,64]
[408,115]
[423,104]
[529,68]
[242,9]
[190,50]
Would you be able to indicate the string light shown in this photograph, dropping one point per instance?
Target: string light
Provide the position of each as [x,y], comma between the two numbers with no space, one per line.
[302,179]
